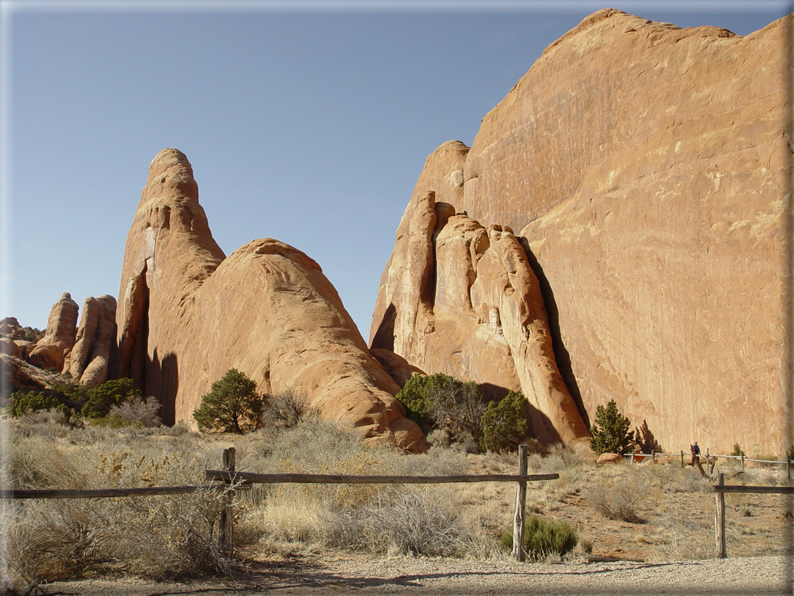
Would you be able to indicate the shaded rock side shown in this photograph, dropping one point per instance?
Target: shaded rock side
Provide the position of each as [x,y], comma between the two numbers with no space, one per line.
[463,300]
[89,359]
[51,350]
[187,315]
[646,167]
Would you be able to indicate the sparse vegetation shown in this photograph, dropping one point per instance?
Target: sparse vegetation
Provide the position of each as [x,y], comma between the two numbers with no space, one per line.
[107,395]
[738,451]
[177,536]
[544,537]
[504,423]
[611,431]
[440,401]
[233,405]
[33,401]
[284,409]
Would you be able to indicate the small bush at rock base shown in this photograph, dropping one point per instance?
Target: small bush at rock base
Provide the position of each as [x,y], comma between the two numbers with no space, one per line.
[503,424]
[544,537]
[233,405]
[610,431]
[33,401]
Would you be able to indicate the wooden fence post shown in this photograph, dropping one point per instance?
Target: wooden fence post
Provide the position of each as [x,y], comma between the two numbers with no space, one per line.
[719,525]
[226,530]
[653,455]
[521,502]
[788,467]
[742,458]
[682,458]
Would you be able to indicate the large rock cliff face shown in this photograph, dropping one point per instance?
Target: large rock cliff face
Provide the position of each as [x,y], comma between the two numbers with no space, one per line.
[644,167]
[187,314]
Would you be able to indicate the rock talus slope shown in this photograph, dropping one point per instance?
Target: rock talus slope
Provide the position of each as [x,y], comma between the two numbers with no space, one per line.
[187,314]
[644,167]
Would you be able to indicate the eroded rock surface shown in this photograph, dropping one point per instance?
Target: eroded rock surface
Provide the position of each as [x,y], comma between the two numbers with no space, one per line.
[645,166]
[187,314]
[88,360]
[477,314]
[51,350]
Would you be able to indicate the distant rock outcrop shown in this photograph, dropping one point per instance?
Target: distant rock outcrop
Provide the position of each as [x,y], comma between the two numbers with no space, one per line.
[88,360]
[51,350]
[646,168]
[187,314]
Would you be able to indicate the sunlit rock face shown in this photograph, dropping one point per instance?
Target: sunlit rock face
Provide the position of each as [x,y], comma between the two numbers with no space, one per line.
[187,314]
[643,169]
[52,349]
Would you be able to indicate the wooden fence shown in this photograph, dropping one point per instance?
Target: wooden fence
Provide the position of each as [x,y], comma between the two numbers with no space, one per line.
[712,459]
[719,520]
[230,480]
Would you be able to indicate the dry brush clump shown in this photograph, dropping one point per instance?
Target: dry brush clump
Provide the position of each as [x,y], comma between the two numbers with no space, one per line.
[158,536]
[370,518]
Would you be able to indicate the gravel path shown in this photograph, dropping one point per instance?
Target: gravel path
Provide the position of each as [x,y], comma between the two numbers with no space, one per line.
[401,575]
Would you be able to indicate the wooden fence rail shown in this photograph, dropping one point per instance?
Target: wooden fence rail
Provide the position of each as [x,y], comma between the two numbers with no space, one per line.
[104,493]
[719,494]
[231,481]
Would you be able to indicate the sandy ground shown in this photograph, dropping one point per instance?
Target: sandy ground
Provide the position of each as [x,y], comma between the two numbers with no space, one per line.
[404,575]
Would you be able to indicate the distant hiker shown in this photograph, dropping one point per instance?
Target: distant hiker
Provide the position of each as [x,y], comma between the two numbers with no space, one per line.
[695,452]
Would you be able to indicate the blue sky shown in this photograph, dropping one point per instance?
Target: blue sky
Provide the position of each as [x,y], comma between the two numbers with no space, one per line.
[308,122]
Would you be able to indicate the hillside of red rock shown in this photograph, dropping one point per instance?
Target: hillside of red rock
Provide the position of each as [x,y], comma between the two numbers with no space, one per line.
[642,167]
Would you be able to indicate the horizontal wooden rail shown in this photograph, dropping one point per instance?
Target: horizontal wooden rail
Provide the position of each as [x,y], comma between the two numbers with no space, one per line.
[781,490]
[251,477]
[103,493]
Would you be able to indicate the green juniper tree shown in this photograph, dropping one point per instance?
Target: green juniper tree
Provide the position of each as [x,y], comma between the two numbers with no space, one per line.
[504,422]
[610,431]
[233,405]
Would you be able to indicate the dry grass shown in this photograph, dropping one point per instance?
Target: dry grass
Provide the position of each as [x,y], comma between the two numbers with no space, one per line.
[172,536]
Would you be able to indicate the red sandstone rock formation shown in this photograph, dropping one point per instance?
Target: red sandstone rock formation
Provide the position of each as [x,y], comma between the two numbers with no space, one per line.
[187,314]
[466,303]
[58,340]
[645,165]
[89,358]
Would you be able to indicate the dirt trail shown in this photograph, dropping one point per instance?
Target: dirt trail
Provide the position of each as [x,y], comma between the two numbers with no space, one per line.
[402,575]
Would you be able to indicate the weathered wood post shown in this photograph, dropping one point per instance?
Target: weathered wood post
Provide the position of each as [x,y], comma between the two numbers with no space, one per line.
[742,458]
[788,467]
[719,524]
[653,455]
[682,458]
[521,502]
[226,530]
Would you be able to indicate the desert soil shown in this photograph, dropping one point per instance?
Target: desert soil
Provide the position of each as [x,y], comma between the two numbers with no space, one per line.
[358,574]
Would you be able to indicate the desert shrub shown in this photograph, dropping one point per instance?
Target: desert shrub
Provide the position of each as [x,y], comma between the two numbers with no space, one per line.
[33,401]
[504,423]
[160,537]
[737,450]
[441,401]
[439,437]
[610,431]
[618,501]
[404,522]
[544,537]
[284,409]
[110,393]
[233,405]
[137,410]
